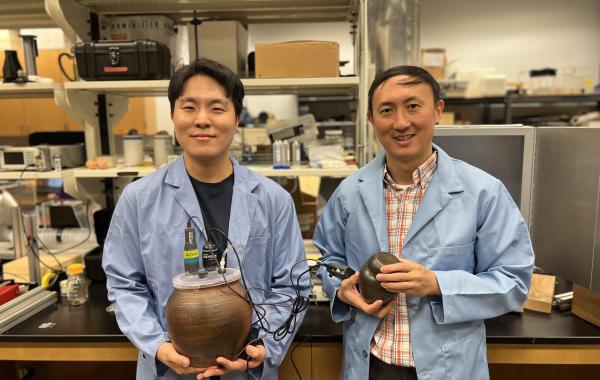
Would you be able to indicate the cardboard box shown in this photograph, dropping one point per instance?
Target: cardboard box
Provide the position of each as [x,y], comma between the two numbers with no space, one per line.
[297,59]
[305,200]
[223,41]
[447,118]
[434,61]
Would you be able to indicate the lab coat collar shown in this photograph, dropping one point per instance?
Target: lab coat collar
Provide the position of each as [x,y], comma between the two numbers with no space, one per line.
[444,185]
[243,200]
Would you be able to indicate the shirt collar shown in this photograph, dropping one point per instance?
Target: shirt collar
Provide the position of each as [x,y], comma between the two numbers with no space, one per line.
[421,176]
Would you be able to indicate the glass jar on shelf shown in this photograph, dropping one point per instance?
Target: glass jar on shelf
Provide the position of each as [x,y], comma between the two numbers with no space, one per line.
[334,137]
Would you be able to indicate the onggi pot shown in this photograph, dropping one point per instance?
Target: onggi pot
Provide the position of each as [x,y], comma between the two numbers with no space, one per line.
[368,285]
[206,318]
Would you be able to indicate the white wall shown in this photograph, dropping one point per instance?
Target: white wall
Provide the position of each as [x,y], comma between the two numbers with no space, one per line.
[515,36]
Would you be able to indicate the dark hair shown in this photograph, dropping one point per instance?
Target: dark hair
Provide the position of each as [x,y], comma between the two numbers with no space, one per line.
[419,74]
[234,89]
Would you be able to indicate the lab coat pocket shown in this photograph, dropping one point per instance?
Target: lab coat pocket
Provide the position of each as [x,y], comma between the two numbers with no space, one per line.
[466,358]
[452,258]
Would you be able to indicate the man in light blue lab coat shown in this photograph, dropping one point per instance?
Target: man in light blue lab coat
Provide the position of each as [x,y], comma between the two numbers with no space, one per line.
[465,252]
[143,249]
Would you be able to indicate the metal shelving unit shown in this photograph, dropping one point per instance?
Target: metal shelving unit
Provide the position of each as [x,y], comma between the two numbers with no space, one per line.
[141,171]
[511,101]
[102,103]
[17,175]
[300,86]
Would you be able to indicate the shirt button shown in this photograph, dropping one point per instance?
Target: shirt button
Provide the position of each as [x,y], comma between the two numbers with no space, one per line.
[365,354]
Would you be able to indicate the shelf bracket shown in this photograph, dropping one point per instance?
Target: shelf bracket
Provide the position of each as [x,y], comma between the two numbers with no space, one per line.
[83,105]
[72,17]
[85,189]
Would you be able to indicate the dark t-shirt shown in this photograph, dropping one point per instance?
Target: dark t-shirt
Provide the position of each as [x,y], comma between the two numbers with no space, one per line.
[215,203]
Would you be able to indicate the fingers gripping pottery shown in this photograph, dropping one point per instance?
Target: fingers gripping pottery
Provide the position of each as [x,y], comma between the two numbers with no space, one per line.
[206,319]
[368,285]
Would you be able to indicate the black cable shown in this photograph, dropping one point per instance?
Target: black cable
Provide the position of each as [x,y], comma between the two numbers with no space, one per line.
[62,69]
[298,306]
[32,248]
[292,356]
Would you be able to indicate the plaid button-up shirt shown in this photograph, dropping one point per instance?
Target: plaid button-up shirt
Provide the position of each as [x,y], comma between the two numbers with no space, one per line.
[391,342]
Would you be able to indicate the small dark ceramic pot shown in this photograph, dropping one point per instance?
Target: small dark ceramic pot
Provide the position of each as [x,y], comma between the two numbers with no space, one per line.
[209,322]
[368,285]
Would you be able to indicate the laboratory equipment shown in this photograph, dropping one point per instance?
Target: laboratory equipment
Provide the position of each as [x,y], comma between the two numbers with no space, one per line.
[77,285]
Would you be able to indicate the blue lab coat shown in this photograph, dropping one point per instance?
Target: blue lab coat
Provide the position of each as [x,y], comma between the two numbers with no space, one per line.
[143,252]
[467,230]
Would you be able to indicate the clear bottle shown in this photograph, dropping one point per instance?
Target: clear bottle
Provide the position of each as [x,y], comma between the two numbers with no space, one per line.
[296,156]
[277,154]
[77,285]
[285,154]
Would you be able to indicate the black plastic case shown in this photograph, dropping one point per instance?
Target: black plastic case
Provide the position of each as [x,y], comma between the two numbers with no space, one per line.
[123,60]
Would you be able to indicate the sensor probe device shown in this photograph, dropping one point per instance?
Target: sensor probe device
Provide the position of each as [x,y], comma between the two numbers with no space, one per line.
[337,270]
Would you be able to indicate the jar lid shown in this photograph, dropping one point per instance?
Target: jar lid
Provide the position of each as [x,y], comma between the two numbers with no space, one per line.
[132,137]
[73,269]
[213,278]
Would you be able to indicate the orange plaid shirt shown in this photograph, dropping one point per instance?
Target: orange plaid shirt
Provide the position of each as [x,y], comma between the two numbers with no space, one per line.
[391,342]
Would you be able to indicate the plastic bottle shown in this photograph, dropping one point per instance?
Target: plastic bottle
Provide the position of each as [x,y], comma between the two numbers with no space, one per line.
[296,157]
[277,154]
[285,155]
[77,285]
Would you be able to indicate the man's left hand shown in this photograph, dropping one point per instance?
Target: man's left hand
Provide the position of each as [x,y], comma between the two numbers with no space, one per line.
[409,277]
[255,353]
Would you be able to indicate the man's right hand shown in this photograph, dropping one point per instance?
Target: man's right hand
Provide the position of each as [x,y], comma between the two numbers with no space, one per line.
[349,294]
[180,364]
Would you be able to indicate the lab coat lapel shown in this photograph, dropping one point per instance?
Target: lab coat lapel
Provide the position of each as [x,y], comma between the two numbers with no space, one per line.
[442,188]
[243,204]
[185,197]
[371,192]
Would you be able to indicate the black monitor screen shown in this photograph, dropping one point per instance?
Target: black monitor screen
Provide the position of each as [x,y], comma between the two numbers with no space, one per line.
[63,217]
[501,156]
[14,158]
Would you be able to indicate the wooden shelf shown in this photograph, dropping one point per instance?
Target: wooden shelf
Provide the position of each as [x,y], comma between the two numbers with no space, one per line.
[130,171]
[246,11]
[300,86]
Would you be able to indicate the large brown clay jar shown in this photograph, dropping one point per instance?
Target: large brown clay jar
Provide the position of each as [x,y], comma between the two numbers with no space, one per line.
[209,322]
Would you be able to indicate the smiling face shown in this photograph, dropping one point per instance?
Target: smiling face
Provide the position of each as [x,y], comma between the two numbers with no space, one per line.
[205,120]
[404,116]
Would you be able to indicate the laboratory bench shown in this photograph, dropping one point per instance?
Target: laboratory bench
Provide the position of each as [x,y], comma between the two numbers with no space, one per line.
[89,333]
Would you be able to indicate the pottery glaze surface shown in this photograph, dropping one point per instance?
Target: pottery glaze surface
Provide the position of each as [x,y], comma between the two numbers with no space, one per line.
[368,285]
[209,321]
